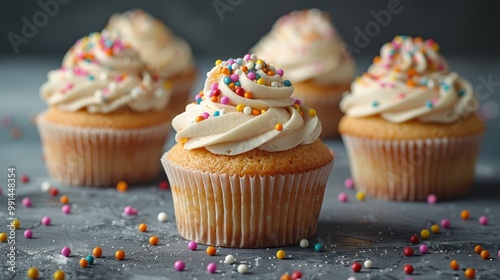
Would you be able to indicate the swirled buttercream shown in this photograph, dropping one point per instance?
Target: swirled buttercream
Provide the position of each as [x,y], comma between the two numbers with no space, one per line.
[103,75]
[245,105]
[410,80]
[166,53]
[308,46]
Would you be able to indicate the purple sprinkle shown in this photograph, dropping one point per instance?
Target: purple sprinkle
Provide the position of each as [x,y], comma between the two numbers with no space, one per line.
[28,234]
[234,77]
[211,267]
[251,75]
[129,210]
[46,221]
[349,183]
[66,251]
[483,220]
[179,265]
[192,246]
[445,223]
[342,197]
[432,199]
[27,202]
[224,100]
[280,72]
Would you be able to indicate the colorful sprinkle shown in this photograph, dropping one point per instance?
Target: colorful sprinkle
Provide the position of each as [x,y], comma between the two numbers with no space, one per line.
[454,265]
[122,186]
[425,234]
[229,259]
[28,234]
[32,273]
[212,268]
[66,251]
[356,267]
[465,214]
[342,197]
[423,248]
[211,251]
[280,254]
[120,255]
[483,220]
[368,264]
[349,183]
[153,240]
[27,202]
[435,229]
[242,268]
[360,196]
[408,251]
[278,127]
[162,217]
[445,223]
[304,243]
[470,273]
[64,199]
[59,275]
[432,199]
[84,263]
[3,237]
[97,252]
[192,245]
[414,239]
[408,269]
[485,254]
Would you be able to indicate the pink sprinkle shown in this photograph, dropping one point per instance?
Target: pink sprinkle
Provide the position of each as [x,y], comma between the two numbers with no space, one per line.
[214,86]
[66,251]
[298,102]
[401,95]
[349,183]
[66,209]
[247,57]
[432,199]
[280,72]
[224,100]
[234,77]
[179,265]
[205,115]
[382,85]
[209,93]
[68,86]
[119,78]
[197,97]
[434,101]
[342,197]
[28,234]
[251,75]
[498,253]
[105,91]
[211,267]
[192,246]
[483,220]
[129,210]
[230,62]
[27,202]
[46,221]
[423,248]
[445,223]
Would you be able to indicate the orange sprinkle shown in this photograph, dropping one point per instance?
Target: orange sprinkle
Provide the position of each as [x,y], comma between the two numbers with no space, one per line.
[64,199]
[465,214]
[120,255]
[214,99]
[376,59]
[211,251]
[84,263]
[454,265]
[470,273]
[410,83]
[485,254]
[244,68]
[248,95]
[109,51]
[199,118]
[153,240]
[122,186]
[412,72]
[270,73]
[279,127]
[231,86]
[225,71]
[478,249]
[143,227]
[418,40]
[255,112]
[97,252]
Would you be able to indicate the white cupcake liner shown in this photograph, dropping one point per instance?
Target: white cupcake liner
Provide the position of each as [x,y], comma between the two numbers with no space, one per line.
[246,211]
[413,169]
[99,157]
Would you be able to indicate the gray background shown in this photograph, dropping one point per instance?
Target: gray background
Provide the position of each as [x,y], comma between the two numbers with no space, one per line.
[461,27]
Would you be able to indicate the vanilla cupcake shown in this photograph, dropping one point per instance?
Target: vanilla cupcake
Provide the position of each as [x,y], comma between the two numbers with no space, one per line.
[410,127]
[107,116]
[311,51]
[165,53]
[248,169]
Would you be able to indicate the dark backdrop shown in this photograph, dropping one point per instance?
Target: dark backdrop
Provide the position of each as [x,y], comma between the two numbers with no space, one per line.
[233,26]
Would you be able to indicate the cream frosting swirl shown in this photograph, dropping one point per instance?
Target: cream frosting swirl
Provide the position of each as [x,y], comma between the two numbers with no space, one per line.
[308,46]
[103,75]
[166,53]
[245,105]
[410,80]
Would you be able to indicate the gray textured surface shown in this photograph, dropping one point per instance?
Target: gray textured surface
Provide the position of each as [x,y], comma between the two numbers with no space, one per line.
[353,231]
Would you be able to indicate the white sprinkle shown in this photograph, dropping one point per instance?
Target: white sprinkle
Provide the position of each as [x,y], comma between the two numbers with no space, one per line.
[304,243]
[229,259]
[253,57]
[368,264]
[235,66]
[274,84]
[258,66]
[162,217]
[242,268]
[247,110]
[250,65]
[222,112]
[45,186]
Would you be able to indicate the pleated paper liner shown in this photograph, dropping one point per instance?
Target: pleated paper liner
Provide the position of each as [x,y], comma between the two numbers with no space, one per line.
[246,211]
[412,169]
[87,156]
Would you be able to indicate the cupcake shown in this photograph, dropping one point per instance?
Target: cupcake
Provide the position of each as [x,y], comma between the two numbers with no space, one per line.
[106,118]
[311,51]
[165,53]
[410,127]
[248,169]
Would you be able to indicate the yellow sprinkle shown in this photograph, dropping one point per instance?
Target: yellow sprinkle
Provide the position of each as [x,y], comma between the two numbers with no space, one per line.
[261,81]
[16,223]
[3,237]
[425,233]
[278,127]
[280,254]
[262,111]
[217,62]
[358,79]
[435,46]
[435,229]
[312,113]
[167,84]
[240,107]
[261,62]
[360,196]
[297,107]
